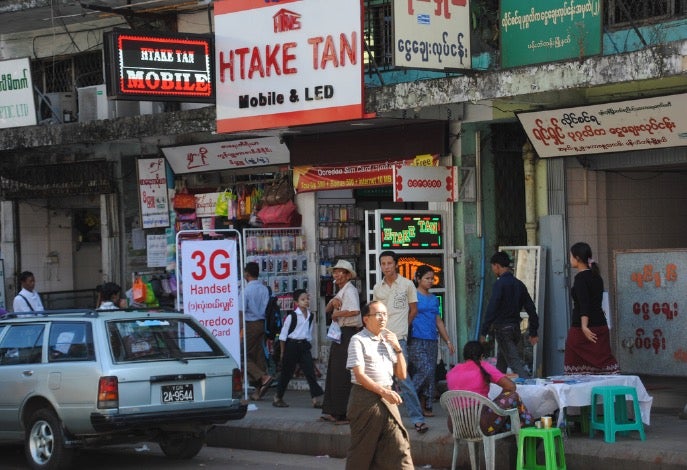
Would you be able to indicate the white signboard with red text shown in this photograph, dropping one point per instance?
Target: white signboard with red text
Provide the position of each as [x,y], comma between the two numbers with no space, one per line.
[432,35]
[609,127]
[210,288]
[242,153]
[152,189]
[425,183]
[287,62]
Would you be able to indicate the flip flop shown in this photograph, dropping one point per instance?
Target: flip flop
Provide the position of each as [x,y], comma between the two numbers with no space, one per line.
[421,428]
[265,386]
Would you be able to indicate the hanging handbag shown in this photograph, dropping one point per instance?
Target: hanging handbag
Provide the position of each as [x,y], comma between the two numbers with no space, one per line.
[279,192]
[223,201]
[184,201]
[139,291]
[282,215]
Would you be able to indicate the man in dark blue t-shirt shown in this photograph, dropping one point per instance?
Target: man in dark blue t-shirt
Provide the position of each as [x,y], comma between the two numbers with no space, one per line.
[509,297]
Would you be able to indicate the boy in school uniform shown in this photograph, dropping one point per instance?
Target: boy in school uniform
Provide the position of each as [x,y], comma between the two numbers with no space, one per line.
[294,339]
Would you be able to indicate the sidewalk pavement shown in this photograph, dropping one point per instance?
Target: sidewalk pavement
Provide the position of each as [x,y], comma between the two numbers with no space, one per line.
[297,430]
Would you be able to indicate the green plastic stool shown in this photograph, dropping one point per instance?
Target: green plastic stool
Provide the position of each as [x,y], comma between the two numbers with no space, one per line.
[614,417]
[554,454]
[582,419]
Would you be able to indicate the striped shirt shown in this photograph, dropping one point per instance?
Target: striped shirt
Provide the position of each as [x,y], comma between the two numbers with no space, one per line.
[375,355]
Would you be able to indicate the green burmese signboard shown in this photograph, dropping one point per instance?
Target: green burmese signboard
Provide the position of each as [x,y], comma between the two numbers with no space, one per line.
[539,31]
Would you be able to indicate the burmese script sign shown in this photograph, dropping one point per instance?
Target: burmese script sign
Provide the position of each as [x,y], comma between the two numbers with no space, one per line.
[432,35]
[610,127]
[243,153]
[152,187]
[287,63]
[364,175]
[163,67]
[549,30]
[17,106]
[651,296]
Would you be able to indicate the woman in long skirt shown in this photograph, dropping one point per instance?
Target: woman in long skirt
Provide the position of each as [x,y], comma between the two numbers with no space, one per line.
[345,309]
[588,345]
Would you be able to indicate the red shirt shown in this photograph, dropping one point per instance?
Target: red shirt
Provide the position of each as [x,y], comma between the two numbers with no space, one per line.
[468,376]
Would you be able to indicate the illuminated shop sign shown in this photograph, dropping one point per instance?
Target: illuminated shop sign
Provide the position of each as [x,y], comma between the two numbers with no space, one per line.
[411,232]
[160,67]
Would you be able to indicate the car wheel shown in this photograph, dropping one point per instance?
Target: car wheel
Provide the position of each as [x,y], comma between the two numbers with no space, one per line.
[181,445]
[44,442]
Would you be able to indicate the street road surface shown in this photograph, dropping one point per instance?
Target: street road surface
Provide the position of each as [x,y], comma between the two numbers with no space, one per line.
[150,457]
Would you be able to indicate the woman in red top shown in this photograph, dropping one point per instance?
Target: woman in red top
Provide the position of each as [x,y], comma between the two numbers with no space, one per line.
[475,375]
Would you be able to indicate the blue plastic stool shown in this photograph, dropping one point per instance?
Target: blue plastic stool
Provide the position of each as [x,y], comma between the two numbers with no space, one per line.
[614,417]
[554,454]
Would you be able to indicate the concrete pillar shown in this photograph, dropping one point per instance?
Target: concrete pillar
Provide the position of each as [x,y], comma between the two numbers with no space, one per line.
[528,157]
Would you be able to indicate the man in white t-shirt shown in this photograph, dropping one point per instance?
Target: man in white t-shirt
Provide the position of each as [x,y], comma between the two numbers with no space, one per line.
[27,300]
[399,296]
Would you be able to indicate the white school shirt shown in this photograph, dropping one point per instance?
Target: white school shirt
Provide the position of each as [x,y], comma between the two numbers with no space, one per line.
[303,328]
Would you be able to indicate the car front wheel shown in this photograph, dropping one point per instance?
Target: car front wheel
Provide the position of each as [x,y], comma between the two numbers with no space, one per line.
[181,445]
[45,443]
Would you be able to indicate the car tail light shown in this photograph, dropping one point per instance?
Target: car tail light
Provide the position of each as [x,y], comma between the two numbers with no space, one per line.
[237,383]
[108,392]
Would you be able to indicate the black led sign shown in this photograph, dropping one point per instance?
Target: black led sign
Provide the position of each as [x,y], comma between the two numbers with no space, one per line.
[160,67]
[411,232]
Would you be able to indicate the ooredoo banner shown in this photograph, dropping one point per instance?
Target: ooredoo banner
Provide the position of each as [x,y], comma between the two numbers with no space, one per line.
[427,183]
[210,288]
[287,63]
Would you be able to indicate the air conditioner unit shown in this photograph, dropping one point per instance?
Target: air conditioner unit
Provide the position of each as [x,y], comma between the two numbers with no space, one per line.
[58,107]
[94,105]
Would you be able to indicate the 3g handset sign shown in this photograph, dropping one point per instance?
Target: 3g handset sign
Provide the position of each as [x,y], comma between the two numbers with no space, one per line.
[210,287]
[217,264]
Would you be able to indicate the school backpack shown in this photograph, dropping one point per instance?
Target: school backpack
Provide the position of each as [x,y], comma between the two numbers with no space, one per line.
[292,325]
[273,318]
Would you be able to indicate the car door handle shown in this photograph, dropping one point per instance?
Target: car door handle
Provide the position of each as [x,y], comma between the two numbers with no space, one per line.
[27,373]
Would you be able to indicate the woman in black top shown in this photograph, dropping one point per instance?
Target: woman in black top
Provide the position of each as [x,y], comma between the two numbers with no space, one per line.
[588,346]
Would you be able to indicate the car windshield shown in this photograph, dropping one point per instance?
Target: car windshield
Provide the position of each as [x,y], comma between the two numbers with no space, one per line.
[159,339]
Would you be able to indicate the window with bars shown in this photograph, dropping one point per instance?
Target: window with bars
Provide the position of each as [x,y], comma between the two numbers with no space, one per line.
[378,34]
[622,12]
[66,74]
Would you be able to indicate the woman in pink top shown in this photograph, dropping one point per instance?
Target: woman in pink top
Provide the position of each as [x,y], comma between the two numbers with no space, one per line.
[475,375]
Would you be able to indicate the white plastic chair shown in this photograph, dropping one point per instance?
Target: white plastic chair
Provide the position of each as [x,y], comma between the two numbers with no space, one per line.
[465,409]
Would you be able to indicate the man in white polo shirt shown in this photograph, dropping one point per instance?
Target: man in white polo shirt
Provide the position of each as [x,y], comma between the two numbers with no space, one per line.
[378,437]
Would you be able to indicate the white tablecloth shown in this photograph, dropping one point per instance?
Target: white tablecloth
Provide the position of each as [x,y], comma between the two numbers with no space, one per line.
[576,390]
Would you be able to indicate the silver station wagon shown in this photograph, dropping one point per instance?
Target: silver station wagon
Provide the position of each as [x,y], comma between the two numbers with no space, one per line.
[70,379]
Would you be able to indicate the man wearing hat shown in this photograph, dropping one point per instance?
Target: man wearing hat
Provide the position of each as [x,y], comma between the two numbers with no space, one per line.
[344,309]
[509,297]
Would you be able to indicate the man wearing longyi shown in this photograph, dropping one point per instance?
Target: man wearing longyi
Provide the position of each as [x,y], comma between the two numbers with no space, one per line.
[378,438]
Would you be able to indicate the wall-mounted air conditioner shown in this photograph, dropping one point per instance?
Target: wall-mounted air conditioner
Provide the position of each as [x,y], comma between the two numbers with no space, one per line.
[58,107]
[94,105]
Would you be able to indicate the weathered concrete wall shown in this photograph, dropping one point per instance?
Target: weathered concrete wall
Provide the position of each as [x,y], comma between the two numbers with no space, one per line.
[649,64]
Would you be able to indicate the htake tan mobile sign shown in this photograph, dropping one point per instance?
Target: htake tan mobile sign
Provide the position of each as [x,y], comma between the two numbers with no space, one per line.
[287,63]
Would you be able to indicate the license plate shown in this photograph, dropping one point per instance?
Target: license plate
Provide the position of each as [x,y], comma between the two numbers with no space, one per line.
[177,393]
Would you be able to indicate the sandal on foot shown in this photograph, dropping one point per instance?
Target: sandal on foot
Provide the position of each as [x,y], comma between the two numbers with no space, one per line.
[279,403]
[327,419]
[264,387]
[421,428]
